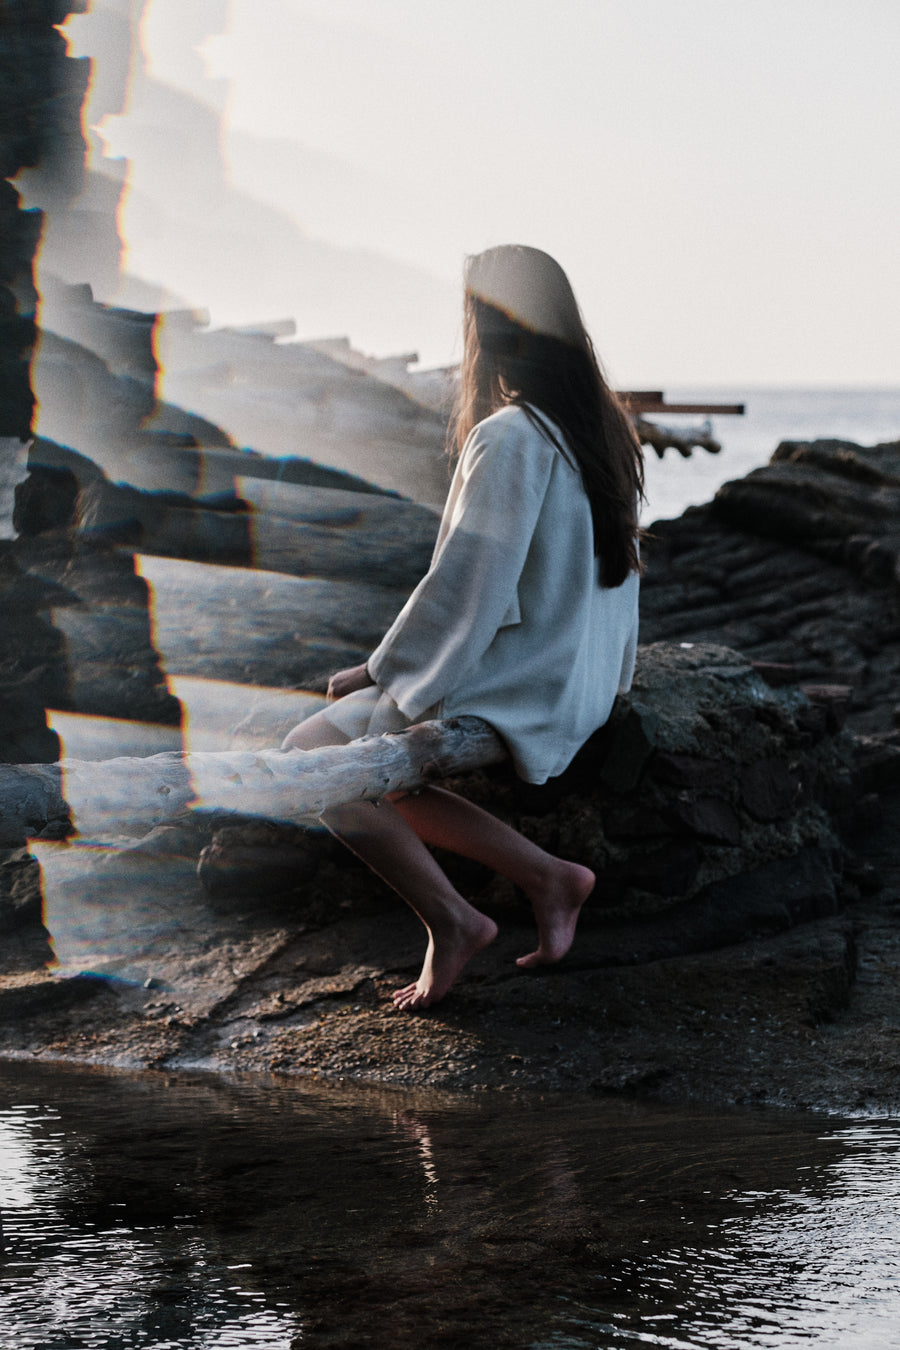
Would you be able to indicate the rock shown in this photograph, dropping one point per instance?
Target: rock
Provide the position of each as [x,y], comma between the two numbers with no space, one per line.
[264,628]
[692,771]
[770,898]
[705,775]
[261,860]
[711,804]
[768,789]
[834,698]
[778,673]
[20,233]
[636,820]
[137,912]
[32,661]
[728,784]
[40,94]
[290,394]
[795,566]
[32,795]
[40,90]
[876,762]
[631,743]
[302,531]
[668,871]
[20,890]
[835,498]
[709,819]
[107,663]
[876,467]
[46,500]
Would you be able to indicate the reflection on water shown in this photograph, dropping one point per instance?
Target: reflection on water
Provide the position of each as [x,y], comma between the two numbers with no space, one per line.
[143,1211]
[817,1262]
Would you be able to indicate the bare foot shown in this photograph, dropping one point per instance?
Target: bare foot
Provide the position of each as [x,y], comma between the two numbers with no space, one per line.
[557,905]
[447,953]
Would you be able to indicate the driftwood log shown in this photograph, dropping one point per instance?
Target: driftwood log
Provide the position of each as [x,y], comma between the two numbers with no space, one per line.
[683,439]
[108,799]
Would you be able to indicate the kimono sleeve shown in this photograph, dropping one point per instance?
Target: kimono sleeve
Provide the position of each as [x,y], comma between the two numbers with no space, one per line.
[470,590]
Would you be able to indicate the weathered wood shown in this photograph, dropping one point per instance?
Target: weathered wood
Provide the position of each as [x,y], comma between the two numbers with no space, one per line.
[682,439]
[707,409]
[133,796]
[654,401]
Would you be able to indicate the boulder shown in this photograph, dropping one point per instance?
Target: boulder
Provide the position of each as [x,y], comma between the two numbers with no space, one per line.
[706,799]
[259,858]
[796,567]
[95,611]
[272,526]
[834,498]
[20,890]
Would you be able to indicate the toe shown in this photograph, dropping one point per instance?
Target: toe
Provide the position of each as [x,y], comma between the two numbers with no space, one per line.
[409,998]
[413,999]
[399,994]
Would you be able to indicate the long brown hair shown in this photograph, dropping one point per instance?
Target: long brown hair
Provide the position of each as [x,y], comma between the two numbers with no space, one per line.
[525,343]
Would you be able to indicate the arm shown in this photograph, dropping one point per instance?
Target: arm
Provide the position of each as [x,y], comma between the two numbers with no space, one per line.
[470,590]
[348,681]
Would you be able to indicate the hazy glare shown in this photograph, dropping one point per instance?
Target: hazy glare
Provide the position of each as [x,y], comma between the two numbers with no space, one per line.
[720,179]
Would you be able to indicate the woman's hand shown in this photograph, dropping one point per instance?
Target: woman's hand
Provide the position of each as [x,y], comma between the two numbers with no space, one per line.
[348,681]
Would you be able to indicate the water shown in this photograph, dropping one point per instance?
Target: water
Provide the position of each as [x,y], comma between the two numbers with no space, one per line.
[866,416]
[145,1211]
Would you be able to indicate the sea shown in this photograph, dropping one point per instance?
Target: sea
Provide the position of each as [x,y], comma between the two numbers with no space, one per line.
[183,1211]
[865,416]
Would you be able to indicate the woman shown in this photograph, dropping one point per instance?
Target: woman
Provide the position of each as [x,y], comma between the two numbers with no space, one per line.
[527,616]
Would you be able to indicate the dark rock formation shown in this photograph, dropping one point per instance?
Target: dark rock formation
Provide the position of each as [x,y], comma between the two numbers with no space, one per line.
[835,499]
[19,235]
[87,599]
[796,567]
[40,100]
[277,527]
[20,891]
[33,673]
[707,806]
[266,859]
[262,628]
[101,610]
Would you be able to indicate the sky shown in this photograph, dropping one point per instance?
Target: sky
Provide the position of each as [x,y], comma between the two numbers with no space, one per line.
[718,177]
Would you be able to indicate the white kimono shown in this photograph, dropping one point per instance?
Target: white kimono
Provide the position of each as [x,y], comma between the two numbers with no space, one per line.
[510,623]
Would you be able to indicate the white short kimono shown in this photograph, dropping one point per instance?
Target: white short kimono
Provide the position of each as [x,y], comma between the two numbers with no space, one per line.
[510,623]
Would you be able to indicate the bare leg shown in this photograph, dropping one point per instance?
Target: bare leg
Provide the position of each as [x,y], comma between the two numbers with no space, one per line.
[556,889]
[390,846]
[313,733]
[456,930]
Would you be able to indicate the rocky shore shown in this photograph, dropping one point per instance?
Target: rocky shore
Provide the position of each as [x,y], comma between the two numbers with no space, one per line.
[741,809]
[161,586]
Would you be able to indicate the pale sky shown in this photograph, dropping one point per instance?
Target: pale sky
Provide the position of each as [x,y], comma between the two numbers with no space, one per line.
[719,177]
